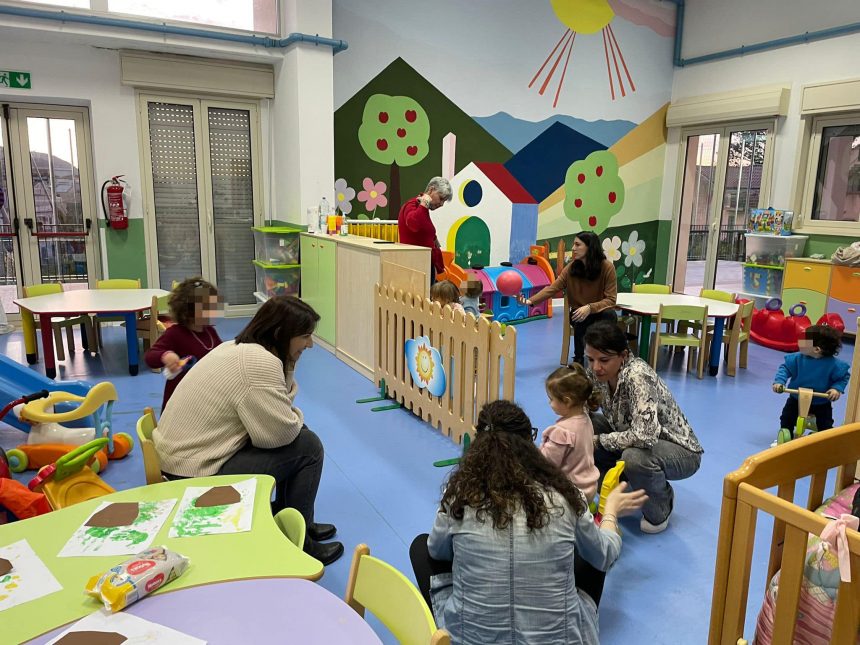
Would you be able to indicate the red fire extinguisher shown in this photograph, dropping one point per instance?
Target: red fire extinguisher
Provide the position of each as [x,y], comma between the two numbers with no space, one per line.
[116,212]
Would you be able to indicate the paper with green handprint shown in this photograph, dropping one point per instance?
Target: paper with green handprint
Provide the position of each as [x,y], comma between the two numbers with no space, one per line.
[594,193]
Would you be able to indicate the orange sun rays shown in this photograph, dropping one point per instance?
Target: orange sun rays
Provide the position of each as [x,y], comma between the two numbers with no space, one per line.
[611,49]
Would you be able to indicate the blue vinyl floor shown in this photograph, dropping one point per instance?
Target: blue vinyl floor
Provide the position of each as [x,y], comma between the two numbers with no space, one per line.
[380,487]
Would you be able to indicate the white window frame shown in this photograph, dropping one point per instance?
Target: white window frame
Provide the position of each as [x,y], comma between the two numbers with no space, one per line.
[100,8]
[204,187]
[810,145]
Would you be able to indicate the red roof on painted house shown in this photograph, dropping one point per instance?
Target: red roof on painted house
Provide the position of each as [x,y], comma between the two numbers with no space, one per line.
[506,182]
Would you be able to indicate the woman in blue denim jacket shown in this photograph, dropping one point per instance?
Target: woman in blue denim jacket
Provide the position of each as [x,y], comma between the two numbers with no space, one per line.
[515,555]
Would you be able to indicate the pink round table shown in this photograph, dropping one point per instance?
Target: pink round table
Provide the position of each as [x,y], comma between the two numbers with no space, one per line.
[263,610]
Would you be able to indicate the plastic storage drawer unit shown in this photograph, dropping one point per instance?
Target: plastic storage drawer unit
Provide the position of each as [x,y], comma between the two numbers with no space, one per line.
[277,279]
[276,244]
[772,250]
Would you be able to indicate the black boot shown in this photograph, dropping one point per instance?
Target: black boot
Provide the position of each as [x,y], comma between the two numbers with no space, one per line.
[320,532]
[326,552]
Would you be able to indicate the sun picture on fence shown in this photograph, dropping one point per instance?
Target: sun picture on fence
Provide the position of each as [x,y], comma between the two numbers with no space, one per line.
[425,365]
[584,17]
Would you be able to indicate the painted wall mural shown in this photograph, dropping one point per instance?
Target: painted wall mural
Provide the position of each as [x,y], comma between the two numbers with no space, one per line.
[523,169]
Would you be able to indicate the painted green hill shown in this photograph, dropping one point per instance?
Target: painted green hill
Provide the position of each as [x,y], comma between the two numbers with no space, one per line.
[400,79]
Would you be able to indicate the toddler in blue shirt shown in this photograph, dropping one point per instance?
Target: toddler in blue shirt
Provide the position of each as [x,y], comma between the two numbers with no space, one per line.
[815,367]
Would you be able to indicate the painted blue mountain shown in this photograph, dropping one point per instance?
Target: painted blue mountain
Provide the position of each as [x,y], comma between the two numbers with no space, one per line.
[516,133]
[541,166]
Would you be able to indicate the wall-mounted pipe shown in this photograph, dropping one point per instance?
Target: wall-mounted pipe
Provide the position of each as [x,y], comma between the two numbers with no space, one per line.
[173,30]
[821,34]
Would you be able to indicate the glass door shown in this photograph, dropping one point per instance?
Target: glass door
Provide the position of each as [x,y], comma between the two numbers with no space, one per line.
[201,183]
[46,230]
[725,173]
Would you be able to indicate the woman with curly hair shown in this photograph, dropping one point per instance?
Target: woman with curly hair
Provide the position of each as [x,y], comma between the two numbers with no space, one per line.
[514,555]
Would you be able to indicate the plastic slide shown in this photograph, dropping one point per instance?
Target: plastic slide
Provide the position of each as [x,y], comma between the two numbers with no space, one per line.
[17,380]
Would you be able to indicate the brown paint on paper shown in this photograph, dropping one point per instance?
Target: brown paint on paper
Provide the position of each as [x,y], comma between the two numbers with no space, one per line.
[92,638]
[117,514]
[5,566]
[218,496]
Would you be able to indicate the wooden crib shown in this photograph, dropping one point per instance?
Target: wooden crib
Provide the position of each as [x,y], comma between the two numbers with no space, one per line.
[745,495]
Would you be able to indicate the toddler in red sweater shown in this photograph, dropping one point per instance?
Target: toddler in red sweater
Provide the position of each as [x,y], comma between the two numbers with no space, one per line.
[193,304]
[569,442]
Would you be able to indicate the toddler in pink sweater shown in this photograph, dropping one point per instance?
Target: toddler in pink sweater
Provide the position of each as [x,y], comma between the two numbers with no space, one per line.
[569,442]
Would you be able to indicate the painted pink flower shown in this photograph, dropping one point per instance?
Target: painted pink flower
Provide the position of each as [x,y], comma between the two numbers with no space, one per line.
[373,194]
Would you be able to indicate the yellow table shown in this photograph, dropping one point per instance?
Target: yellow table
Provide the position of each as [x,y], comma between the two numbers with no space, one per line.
[262,552]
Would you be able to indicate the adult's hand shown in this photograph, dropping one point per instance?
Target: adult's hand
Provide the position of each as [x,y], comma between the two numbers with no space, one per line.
[620,502]
[523,300]
[581,313]
[171,361]
[424,200]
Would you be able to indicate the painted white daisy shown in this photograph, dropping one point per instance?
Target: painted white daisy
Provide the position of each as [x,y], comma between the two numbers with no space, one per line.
[633,249]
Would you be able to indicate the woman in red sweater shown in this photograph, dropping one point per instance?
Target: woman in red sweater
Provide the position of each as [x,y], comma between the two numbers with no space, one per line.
[591,286]
[415,226]
[193,304]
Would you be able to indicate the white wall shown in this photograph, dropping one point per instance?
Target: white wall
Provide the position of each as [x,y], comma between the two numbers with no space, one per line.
[797,65]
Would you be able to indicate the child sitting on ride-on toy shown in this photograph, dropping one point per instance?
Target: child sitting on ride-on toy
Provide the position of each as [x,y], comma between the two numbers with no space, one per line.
[814,367]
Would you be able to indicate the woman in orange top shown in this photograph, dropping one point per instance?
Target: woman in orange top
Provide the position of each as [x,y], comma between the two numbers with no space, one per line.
[591,286]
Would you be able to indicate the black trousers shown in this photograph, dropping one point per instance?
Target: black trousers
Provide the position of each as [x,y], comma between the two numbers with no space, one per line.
[823,414]
[588,579]
[579,329]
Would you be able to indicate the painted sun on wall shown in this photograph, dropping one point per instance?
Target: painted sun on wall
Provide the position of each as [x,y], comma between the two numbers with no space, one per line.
[585,17]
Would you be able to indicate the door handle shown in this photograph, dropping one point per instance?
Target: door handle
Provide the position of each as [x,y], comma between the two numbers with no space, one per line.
[28,222]
[89,224]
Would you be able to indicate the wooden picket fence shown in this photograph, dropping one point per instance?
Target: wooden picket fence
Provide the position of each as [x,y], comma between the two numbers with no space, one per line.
[479,359]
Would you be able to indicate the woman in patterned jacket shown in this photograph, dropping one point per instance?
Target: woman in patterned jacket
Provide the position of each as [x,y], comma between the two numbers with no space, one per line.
[641,424]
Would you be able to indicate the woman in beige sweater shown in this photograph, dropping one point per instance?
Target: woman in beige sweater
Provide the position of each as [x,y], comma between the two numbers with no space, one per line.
[234,413]
[591,286]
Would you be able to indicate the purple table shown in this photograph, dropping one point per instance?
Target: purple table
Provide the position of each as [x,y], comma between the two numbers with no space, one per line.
[263,610]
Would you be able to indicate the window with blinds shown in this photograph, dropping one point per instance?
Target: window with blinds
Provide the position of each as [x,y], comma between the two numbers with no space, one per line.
[203,192]
[232,203]
[173,152]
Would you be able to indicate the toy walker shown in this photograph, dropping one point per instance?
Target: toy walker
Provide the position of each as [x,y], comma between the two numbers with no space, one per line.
[68,481]
[48,441]
[804,402]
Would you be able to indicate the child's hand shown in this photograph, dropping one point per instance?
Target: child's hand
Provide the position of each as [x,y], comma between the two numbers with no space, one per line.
[171,361]
[779,388]
[833,395]
[620,502]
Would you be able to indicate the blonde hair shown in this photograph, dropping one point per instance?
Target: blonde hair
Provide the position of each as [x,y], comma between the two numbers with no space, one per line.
[571,385]
[445,292]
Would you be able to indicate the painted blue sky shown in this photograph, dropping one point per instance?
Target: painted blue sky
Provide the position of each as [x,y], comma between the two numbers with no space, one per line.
[483,53]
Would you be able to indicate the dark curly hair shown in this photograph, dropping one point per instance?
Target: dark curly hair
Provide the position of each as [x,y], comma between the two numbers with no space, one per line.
[503,471]
[592,264]
[185,296]
[826,338]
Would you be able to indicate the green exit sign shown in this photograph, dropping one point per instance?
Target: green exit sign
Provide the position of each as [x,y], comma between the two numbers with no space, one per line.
[15,80]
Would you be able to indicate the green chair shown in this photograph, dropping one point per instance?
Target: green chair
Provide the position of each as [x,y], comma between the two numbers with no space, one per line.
[682,313]
[736,338]
[151,463]
[292,525]
[112,283]
[652,288]
[712,294]
[393,599]
[57,324]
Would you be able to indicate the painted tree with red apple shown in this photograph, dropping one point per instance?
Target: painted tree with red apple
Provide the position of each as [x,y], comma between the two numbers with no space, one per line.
[394,131]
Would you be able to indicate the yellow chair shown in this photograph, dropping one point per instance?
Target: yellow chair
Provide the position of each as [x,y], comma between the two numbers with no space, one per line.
[685,313]
[737,337]
[292,525]
[388,594]
[113,283]
[151,463]
[59,323]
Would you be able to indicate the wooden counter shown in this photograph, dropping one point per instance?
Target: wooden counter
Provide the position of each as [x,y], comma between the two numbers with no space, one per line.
[339,274]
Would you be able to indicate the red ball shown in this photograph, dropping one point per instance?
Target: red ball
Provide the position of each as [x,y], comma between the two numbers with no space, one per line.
[509,282]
